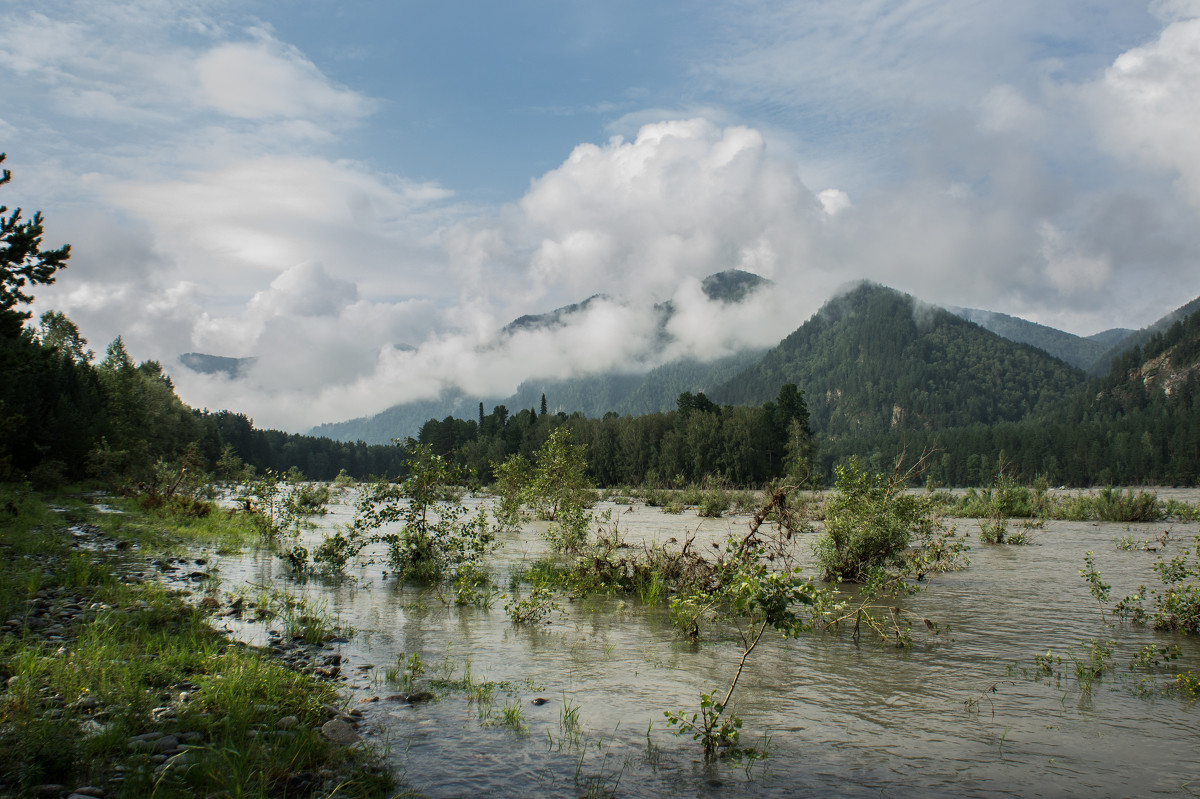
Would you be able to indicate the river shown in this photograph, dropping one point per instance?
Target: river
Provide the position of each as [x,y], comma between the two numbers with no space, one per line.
[836,718]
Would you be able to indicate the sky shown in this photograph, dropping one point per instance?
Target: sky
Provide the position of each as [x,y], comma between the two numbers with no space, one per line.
[362,194]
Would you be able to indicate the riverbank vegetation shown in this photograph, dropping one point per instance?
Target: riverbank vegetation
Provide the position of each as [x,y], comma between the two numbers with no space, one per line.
[114,681]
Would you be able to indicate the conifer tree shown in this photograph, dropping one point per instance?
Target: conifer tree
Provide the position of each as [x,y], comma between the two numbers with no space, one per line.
[22,261]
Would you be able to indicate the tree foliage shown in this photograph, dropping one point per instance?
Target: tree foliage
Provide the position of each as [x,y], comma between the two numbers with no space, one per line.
[22,260]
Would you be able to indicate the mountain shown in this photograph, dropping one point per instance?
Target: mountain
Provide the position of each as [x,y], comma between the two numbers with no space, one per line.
[1079,351]
[1165,367]
[633,394]
[732,285]
[399,421]
[216,364]
[876,359]
[594,395]
[1101,366]
[556,318]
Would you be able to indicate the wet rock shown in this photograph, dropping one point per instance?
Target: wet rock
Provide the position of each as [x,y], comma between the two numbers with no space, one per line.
[167,743]
[88,790]
[541,700]
[339,732]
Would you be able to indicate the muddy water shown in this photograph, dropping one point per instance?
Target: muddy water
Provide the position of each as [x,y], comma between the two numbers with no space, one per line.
[837,719]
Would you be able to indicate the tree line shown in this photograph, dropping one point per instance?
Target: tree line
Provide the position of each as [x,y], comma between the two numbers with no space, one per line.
[742,445]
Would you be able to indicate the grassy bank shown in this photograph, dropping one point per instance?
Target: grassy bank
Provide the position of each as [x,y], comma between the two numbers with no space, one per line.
[121,685]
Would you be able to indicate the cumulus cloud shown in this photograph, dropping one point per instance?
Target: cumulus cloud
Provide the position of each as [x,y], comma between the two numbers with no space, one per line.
[683,198]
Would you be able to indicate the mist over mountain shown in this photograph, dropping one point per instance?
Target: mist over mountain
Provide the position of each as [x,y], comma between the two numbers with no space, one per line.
[635,387]
[872,358]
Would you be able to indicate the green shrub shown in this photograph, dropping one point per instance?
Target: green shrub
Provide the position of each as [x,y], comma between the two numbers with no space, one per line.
[1124,506]
[870,522]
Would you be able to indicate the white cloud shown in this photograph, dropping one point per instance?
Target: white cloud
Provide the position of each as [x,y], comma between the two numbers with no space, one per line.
[263,79]
[834,201]
[270,213]
[1004,110]
[1148,107]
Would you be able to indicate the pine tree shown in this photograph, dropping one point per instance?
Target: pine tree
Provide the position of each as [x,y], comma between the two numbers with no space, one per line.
[22,262]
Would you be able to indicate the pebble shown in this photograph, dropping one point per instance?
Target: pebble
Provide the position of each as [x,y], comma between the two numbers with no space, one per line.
[287,723]
[48,789]
[339,732]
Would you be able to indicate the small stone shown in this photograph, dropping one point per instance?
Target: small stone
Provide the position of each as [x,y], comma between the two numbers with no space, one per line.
[89,790]
[48,789]
[166,743]
[339,732]
[287,723]
[541,700]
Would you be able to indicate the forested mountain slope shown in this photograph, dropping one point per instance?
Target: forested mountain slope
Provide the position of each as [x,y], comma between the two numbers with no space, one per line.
[1079,351]
[1138,425]
[875,359]
[1104,363]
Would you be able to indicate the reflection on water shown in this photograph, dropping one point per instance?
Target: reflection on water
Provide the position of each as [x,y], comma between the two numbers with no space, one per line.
[837,719]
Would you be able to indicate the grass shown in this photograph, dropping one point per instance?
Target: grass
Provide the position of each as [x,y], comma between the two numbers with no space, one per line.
[225,530]
[138,659]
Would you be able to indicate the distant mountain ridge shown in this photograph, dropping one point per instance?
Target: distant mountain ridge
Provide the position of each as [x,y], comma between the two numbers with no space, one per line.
[871,359]
[593,395]
[1136,339]
[1079,351]
[216,364]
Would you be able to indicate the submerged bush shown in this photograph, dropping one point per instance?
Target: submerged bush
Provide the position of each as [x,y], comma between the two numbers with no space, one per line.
[870,522]
[436,538]
[1116,506]
[1175,606]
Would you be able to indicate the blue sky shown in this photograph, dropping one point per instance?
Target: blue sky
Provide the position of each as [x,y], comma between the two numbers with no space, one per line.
[363,193]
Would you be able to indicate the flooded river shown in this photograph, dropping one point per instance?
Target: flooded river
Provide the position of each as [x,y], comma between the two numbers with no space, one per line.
[836,718]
